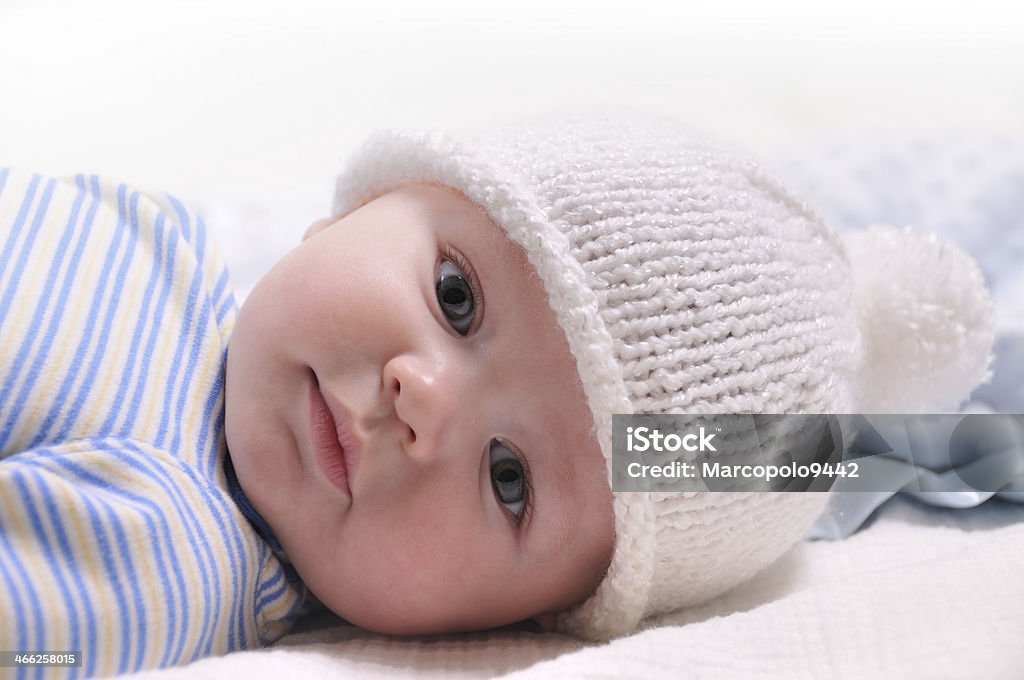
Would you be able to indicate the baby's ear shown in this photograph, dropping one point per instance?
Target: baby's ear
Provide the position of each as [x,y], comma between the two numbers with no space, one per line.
[318,225]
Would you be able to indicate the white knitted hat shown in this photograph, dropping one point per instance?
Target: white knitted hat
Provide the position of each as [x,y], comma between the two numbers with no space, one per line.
[685,280]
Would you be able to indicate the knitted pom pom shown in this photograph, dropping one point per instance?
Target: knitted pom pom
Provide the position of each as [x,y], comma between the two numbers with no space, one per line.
[926,317]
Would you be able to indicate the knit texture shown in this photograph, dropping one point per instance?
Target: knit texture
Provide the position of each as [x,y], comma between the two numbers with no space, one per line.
[685,280]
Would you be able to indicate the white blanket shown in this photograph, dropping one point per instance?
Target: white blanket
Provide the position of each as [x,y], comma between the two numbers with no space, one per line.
[918,594]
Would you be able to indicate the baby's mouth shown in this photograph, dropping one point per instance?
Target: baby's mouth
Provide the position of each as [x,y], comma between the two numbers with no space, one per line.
[333,447]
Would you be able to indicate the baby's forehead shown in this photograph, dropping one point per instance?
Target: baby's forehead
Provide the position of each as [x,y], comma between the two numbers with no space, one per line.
[457,216]
[574,497]
[436,202]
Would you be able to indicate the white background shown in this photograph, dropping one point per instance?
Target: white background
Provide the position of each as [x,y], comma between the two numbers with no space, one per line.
[246,98]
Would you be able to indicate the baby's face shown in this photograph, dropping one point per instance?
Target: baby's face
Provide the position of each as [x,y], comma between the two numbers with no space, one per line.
[403,409]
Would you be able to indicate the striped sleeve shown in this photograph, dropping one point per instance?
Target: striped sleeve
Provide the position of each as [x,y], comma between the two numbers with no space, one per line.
[116,549]
[117,533]
[115,309]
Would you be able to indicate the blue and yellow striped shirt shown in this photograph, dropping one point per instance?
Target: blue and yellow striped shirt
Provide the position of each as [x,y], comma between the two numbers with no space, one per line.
[119,535]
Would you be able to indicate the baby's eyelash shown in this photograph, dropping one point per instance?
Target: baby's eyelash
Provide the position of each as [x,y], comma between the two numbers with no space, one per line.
[523,518]
[449,253]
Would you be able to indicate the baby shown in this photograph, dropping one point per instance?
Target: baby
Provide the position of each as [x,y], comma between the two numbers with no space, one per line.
[409,421]
[403,410]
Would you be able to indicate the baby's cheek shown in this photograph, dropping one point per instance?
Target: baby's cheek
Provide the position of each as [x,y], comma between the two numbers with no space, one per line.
[416,576]
[390,592]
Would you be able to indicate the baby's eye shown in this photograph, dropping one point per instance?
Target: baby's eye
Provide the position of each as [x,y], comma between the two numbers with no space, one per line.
[455,295]
[508,478]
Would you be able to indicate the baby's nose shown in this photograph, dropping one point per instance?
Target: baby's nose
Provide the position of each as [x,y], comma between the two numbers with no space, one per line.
[430,398]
